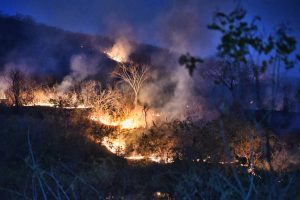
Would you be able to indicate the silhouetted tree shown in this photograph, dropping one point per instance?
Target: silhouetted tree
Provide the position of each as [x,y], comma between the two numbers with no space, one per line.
[133,74]
[242,46]
[190,62]
[17,81]
[145,111]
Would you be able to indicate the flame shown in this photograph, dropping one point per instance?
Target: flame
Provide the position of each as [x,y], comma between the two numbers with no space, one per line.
[2,95]
[115,56]
[152,158]
[130,123]
[120,50]
[52,105]
[104,119]
[40,104]
[117,145]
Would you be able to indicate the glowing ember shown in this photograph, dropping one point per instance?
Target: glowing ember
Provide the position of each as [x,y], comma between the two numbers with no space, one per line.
[135,157]
[40,104]
[115,146]
[49,97]
[53,105]
[105,120]
[153,158]
[115,57]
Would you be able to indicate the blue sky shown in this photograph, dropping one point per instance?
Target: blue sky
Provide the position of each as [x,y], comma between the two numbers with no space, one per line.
[147,20]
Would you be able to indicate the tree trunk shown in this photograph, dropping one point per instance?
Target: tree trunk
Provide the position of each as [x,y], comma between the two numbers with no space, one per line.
[16,96]
[135,103]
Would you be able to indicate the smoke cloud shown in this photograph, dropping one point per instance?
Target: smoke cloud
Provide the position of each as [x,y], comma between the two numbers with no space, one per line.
[81,67]
[123,35]
[121,50]
[182,29]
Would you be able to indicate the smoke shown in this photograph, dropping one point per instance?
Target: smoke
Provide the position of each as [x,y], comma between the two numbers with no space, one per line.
[182,29]
[179,28]
[182,94]
[170,94]
[123,35]
[176,95]
[81,67]
[121,50]
[4,80]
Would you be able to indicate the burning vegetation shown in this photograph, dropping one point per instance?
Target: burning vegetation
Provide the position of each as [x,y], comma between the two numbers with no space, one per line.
[150,132]
[108,106]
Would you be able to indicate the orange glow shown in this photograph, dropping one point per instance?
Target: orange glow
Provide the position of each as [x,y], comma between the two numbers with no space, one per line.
[153,158]
[52,105]
[48,97]
[116,146]
[105,119]
[129,124]
[120,50]
[133,122]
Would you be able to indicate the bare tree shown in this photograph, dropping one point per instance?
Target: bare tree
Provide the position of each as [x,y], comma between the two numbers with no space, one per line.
[110,102]
[16,79]
[89,91]
[133,74]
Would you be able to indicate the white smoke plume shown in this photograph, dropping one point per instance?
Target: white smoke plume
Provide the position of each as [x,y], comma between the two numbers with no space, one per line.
[121,50]
[172,95]
[182,94]
[123,35]
[81,67]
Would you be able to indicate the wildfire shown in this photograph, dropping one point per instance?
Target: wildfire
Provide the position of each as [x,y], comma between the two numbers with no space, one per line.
[105,120]
[115,56]
[135,118]
[153,158]
[130,123]
[2,95]
[53,105]
[40,104]
[117,145]
[120,50]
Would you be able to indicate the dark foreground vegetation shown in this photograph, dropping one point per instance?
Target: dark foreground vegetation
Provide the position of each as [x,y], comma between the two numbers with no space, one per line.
[46,152]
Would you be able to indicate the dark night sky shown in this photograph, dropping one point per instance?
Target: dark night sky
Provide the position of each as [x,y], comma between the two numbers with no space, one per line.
[151,21]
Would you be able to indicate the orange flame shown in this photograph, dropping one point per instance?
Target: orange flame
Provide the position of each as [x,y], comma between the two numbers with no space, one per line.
[118,146]
[130,123]
[120,50]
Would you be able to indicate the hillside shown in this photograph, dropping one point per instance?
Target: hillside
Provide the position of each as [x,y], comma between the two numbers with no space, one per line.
[47,50]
